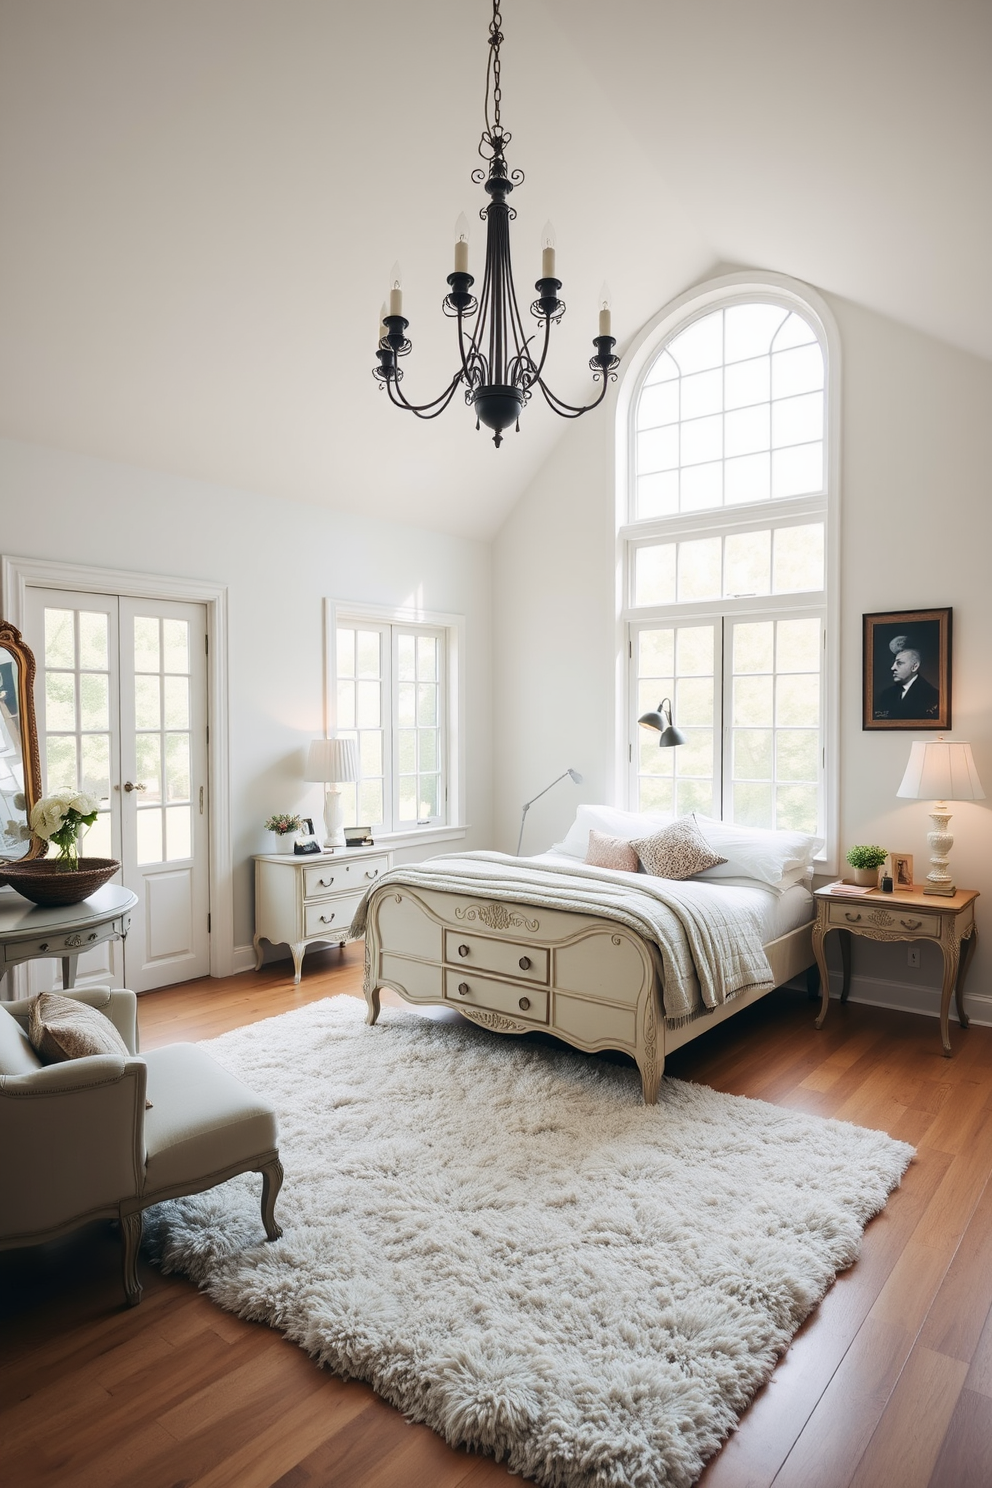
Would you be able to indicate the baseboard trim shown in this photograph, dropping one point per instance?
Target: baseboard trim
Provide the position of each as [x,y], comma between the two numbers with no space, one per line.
[243,958]
[902,997]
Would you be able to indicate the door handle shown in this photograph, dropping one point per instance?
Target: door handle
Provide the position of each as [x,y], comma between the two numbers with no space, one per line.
[129,785]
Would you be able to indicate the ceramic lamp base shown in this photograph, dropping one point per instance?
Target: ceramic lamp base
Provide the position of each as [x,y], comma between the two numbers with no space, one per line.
[940,842]
[333,819]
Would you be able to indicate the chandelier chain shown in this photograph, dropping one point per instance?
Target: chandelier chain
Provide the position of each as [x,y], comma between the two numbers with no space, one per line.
[493,87]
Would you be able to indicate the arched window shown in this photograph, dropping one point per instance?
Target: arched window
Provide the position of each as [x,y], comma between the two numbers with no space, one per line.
[729,476]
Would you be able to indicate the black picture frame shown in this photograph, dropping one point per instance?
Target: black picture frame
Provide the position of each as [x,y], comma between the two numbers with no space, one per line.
[898,645]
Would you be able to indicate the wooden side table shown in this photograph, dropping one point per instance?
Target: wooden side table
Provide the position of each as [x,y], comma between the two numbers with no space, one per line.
[28,931]
[905,914]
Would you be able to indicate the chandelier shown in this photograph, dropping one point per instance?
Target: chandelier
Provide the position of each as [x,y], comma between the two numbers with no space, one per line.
[500,365]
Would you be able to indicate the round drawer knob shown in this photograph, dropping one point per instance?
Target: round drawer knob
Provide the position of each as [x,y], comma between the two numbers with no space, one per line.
[524,964]
[523,1004]
[463,950]
[463,988]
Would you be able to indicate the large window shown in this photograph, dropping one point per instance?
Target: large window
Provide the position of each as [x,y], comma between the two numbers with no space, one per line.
[725,571]
[391,695]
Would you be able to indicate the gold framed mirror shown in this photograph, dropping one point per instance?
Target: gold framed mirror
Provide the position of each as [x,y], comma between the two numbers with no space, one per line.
[20,761]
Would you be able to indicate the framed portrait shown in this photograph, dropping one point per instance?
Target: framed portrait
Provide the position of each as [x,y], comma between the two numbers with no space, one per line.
[901,870]
[906,669]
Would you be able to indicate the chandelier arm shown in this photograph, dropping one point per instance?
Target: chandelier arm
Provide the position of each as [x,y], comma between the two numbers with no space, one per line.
[474,355]
[569,410]
[439,404]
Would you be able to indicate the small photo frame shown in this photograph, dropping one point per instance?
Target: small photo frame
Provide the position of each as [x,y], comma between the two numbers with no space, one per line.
[901,870]
[358,837]
[906,670]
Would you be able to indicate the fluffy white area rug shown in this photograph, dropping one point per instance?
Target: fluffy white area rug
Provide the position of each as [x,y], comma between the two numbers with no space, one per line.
[507,1245]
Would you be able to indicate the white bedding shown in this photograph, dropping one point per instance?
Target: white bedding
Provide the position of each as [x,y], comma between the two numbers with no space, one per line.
[776,913]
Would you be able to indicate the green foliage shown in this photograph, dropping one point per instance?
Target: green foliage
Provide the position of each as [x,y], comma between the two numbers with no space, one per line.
[867,857]
[283,823]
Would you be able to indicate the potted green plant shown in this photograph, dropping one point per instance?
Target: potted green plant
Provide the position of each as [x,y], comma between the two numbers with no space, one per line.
[866,861]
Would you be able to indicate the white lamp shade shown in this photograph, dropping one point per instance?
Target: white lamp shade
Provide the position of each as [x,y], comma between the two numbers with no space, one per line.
[941,771]
[332,760]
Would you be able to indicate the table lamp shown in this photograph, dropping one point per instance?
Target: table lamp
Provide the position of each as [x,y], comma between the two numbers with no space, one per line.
[332,761]
[940,771]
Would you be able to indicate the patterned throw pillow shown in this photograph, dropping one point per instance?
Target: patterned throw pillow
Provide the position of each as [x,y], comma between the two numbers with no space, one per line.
[61,1028]
[677,851]
[611,852]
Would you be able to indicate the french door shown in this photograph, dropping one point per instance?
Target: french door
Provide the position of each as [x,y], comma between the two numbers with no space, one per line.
[122,709]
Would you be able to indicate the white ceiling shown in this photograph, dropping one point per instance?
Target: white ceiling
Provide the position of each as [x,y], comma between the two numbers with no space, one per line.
[201,200]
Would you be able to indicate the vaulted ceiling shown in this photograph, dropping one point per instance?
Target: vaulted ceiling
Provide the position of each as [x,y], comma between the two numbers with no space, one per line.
[201,201]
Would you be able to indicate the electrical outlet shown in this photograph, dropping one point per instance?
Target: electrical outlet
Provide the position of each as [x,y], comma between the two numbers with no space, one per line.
[913,956]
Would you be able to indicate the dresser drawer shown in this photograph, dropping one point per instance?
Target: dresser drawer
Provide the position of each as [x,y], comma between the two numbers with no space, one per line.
[522,962]
[880,917]
[331,916]
[417,980]
[338,876]
[469,990]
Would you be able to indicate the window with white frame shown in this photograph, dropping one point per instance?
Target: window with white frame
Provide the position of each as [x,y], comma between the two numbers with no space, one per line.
[391,696]
[725,581]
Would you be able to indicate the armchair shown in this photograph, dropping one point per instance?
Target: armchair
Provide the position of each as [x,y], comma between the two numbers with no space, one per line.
[77,1142]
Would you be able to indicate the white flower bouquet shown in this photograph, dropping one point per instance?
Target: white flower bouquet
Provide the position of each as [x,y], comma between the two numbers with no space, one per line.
[59,817]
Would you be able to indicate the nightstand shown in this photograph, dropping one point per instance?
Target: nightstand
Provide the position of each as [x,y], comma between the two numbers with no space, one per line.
[905,914]
[311,900]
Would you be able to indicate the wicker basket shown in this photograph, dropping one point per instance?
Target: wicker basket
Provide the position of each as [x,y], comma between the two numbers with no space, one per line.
[43,882]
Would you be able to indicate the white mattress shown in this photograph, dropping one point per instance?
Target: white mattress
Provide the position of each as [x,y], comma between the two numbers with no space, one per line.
[777,913]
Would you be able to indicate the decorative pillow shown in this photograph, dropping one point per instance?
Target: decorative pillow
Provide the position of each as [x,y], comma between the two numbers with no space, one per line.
[677,851]
[611,821]
[756,852]
[611,852]
[61,1028]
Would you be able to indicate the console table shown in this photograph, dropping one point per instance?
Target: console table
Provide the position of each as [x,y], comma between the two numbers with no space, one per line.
[311,899]
[905,914]
[27,931]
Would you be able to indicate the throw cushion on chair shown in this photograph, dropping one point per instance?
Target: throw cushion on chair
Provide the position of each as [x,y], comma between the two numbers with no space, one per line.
[61,1028]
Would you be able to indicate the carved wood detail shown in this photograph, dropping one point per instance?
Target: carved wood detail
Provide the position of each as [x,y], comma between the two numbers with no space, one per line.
[498,917]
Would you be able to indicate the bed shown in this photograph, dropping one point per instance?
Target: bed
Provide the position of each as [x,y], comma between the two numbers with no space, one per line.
[582,952]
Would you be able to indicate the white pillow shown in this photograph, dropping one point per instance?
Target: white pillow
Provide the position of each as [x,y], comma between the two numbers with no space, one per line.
[789,880]
[612,821]
[753,852]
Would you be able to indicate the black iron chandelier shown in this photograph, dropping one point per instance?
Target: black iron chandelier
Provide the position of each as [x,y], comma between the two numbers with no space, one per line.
[500,365]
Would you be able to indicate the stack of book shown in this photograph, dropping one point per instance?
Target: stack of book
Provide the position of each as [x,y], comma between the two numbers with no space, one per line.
[855,890]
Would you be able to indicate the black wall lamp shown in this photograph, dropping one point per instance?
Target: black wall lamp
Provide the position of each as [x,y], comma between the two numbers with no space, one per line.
[661,720]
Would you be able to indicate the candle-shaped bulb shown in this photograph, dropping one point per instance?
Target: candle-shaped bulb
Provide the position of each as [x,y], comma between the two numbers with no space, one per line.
[461,244]
[395,290]
[547,251]
[383,328]
[605,299]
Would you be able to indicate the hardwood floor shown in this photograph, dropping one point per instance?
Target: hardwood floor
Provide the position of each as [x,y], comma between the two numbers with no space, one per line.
[888,1384]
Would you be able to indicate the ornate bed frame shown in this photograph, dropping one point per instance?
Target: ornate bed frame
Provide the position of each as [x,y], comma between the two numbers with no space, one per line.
[515,967]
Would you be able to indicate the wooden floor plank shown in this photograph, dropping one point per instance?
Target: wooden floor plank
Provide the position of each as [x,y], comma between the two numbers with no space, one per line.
[889,1383]
[907,1440]
[965,1457]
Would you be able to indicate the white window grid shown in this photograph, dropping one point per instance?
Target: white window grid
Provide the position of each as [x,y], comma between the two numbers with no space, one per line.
[723,520]
[396,816]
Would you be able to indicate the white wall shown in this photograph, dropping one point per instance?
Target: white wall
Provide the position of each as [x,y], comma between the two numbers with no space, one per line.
[916,530]
[279,559]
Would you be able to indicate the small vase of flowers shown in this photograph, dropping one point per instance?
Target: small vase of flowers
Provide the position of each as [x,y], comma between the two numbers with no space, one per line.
[60,818]
[284,828]
[866,861]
